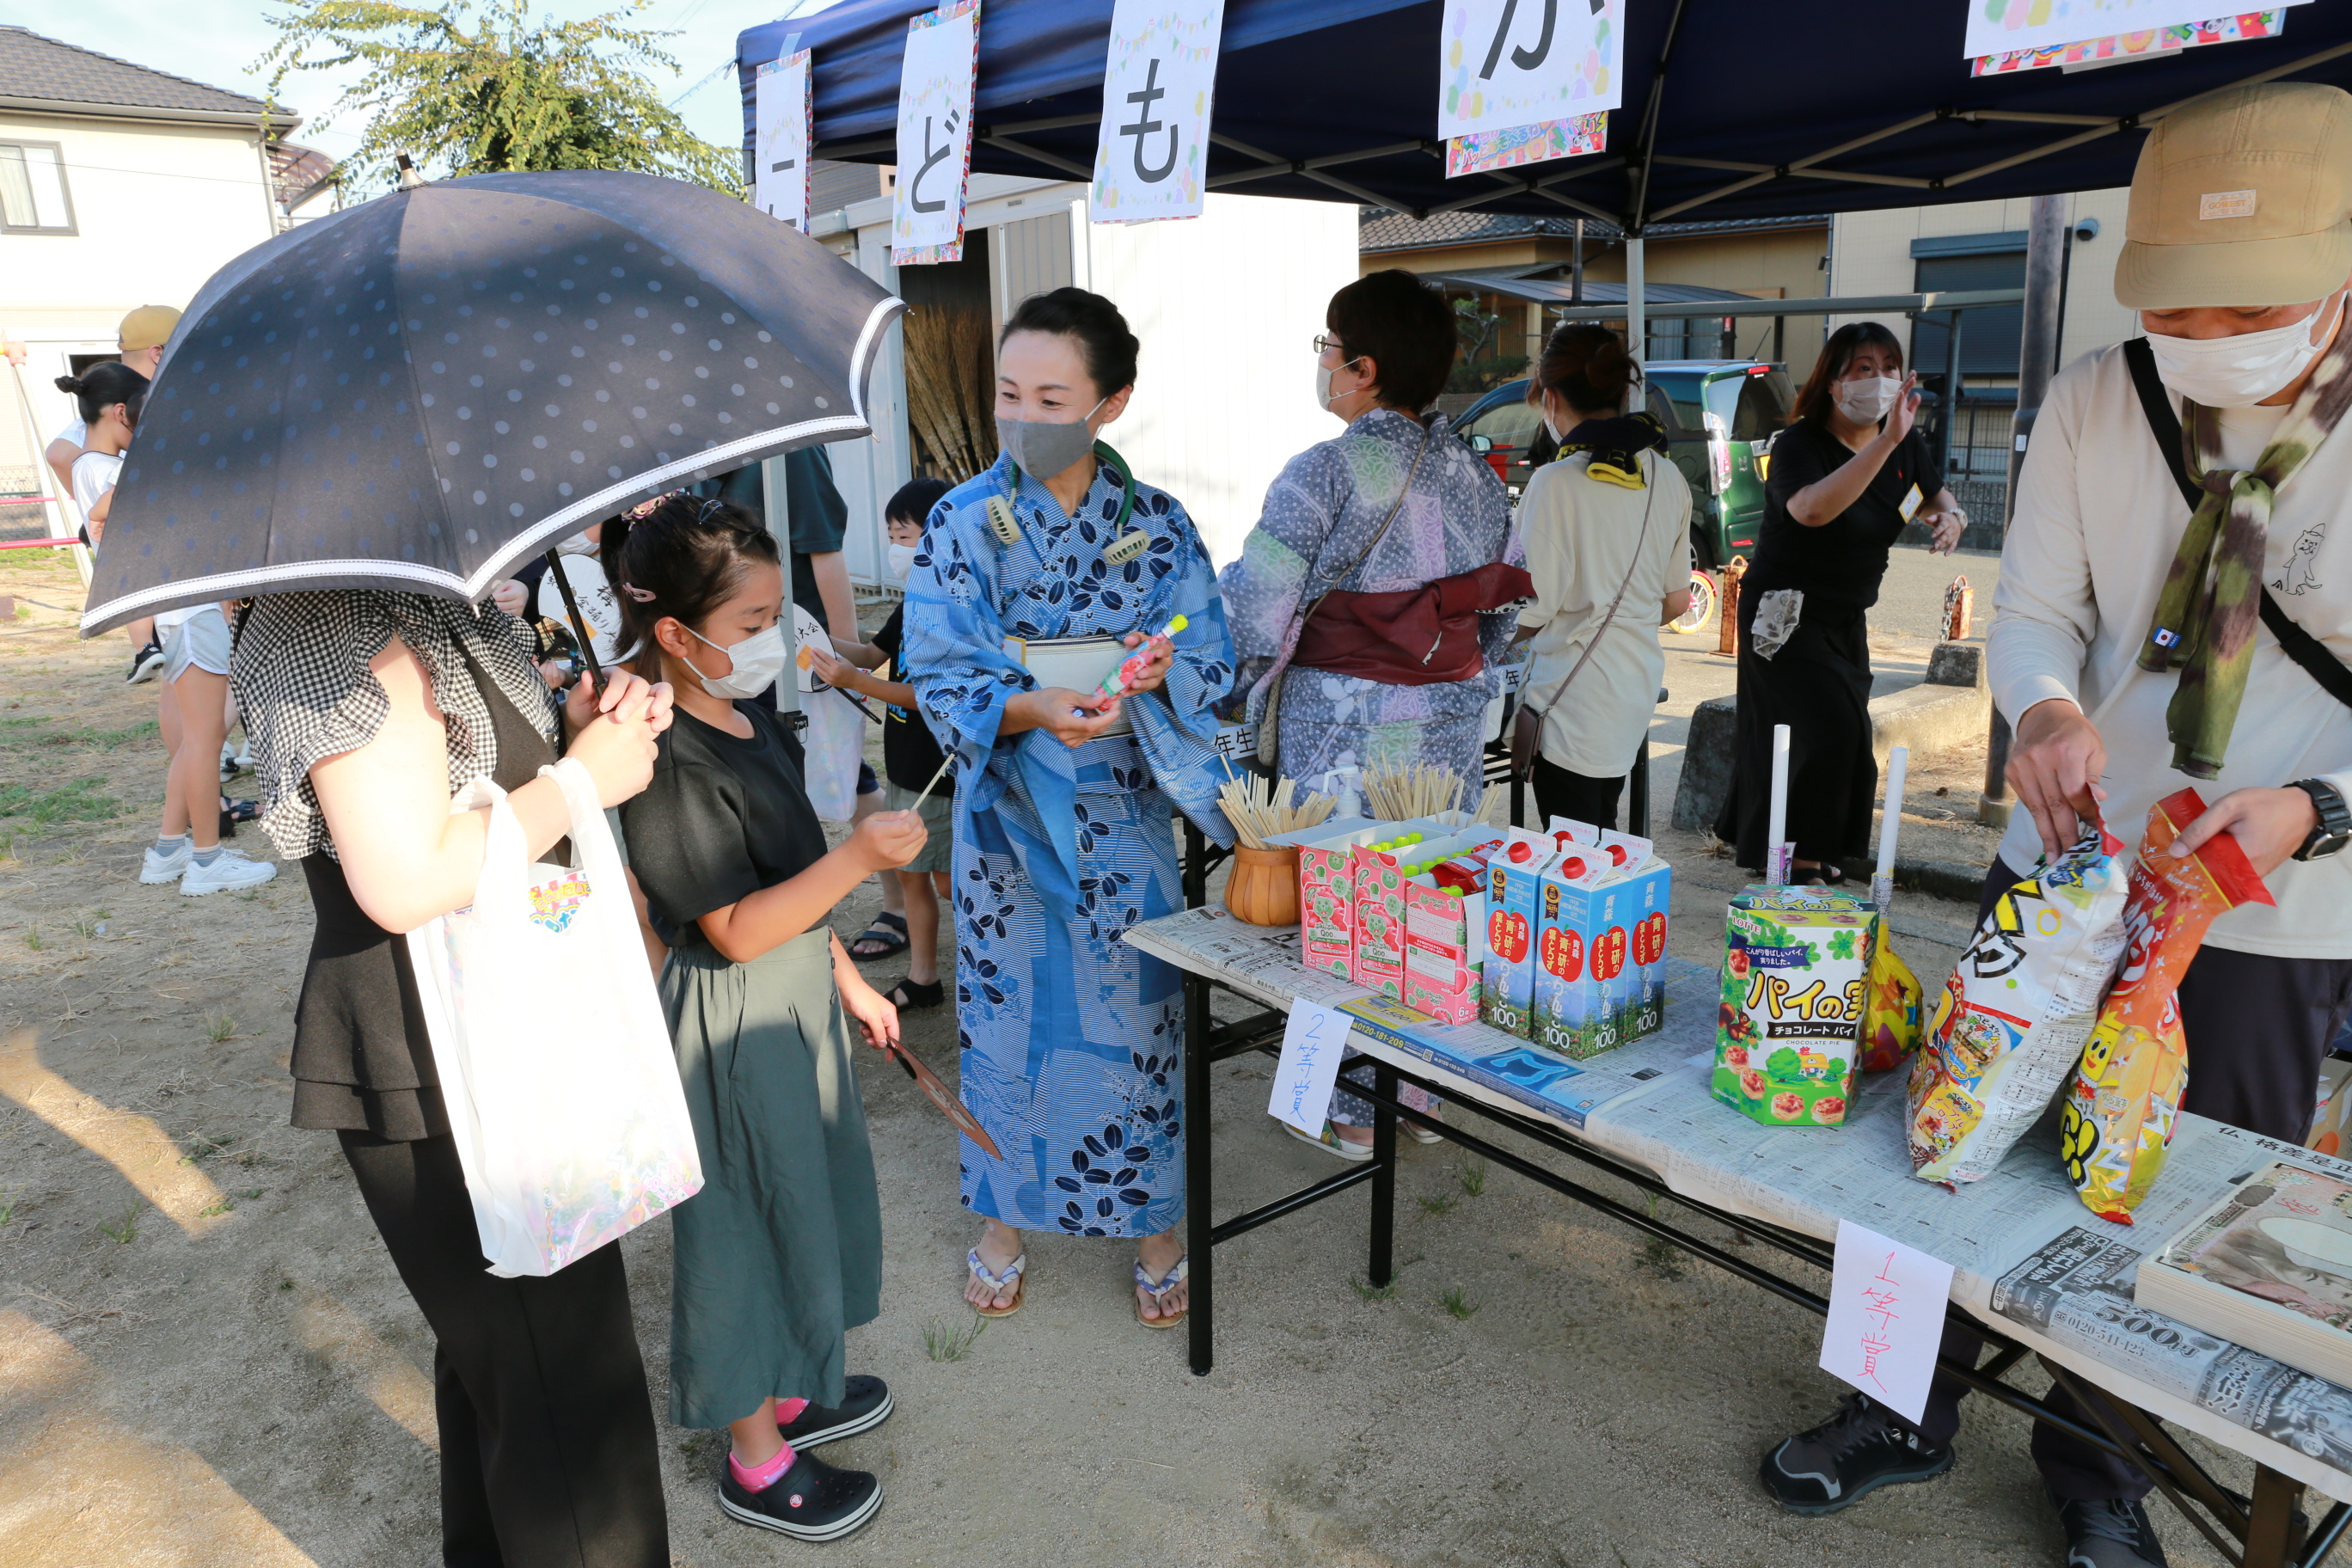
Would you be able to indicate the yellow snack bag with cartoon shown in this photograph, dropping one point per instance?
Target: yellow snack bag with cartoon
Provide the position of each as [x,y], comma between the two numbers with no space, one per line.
[2126,1090]
[1893,1007]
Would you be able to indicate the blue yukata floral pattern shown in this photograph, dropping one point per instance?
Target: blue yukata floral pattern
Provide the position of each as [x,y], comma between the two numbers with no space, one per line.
[1320,513]
[1070,1038]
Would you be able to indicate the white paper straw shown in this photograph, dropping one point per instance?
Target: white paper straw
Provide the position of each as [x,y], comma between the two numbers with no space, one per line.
[1776,851]
[1890,823]
[944,766]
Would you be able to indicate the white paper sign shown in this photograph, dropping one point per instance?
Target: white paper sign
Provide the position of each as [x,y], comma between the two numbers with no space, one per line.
[1996,26]
[780,142]
[1312,1043]
[1505,63]
[1158,92]
[935,85]
[1886,1319]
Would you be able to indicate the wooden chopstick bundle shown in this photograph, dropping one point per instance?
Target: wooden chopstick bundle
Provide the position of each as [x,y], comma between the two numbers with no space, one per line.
[1260,810]
[1402,794]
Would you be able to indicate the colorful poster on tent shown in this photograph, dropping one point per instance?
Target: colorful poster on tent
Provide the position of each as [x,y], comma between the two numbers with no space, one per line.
[1159,88]
[2122,46]
[1489,150]
[935,87]
[779,139]
[2007,26]
[1502,64]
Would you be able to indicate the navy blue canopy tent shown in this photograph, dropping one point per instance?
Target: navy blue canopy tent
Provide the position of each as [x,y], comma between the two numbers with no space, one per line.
[1732,109]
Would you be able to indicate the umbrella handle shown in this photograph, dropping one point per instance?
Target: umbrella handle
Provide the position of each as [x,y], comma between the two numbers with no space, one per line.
[579,623]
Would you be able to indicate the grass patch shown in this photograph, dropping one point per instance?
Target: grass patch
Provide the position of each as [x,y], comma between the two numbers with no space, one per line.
[76,801]
[1474,1174]
[216,1208]
[1458,1305]
[124,1230]
[1659,1256]
[33,937]
[8,1206]
[1440,1203]
[221,1029]
[945,1342]
[1381,1292]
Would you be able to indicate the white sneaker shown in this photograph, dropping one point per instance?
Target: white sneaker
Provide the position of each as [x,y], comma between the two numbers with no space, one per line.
[166,867]
[228,872]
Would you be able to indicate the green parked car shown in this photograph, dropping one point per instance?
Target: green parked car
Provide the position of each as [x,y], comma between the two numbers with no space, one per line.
[1720,417]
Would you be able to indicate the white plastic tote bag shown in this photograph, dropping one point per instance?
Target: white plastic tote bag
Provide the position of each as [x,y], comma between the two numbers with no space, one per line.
[834,743]
[555,1060]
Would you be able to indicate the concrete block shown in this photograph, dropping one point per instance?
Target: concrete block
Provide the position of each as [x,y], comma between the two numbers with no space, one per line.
[1928,720]
[1706,780]
[1957,664]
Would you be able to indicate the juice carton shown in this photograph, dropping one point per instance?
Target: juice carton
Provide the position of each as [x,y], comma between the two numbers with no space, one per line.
[1796,967]
[1326,897]
[1445,934]
[1506,979]
[1601,910]
[1382,870]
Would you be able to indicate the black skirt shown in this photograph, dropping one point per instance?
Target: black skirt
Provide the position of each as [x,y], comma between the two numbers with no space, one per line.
[1818,684]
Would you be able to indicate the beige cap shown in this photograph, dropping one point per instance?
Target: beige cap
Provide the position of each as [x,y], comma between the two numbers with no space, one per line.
[2241,197]
[148,327]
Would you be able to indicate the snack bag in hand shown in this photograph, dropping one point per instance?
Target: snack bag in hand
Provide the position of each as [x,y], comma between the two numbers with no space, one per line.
[1890,1028]
[2119,1110]
[2013,1015]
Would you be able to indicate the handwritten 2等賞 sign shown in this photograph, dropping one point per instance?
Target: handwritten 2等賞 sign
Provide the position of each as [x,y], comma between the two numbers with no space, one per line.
[1886,1317]
[1312,1045]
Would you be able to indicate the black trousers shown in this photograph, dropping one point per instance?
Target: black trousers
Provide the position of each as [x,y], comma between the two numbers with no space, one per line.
[1560,793]
[2258,1027]
[1818,684]
[547,1458]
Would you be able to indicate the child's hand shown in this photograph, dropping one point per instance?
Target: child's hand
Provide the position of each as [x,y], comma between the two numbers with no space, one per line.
[888,839]
[834,672]
[510,596]
[876,1016]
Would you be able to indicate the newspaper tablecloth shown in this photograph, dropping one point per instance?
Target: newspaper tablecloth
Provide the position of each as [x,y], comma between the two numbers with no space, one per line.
[2026,1254]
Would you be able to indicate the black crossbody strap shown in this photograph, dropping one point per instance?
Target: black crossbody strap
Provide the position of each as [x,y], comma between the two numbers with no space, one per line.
[2298,644]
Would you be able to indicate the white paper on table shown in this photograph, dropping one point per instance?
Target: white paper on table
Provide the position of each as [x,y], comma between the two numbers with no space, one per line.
[935,88]
[779,114]
[1997,27]
[1158,89]
[1312,1043]
[1886,1317]
[1508,63]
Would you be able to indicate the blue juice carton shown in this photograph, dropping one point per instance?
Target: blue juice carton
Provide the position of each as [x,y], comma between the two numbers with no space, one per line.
[1600,943]
[1506,979]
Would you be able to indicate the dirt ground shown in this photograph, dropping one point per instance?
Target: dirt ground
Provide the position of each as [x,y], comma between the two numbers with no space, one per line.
[205,1357]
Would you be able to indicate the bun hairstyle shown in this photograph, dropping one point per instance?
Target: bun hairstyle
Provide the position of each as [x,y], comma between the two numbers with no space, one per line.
[1404,324]
[1104,340]
[102,386]
[681,556]
[1586,366]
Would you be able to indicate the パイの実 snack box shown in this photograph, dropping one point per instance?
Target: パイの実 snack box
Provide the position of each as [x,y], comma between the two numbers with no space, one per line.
[1795,988]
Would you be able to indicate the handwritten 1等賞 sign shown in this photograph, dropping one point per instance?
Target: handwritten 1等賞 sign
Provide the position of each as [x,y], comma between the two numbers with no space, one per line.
[1886,1317]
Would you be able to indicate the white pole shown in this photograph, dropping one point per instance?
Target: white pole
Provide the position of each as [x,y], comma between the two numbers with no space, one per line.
[1890,823]
[1776,849]
[1637,315]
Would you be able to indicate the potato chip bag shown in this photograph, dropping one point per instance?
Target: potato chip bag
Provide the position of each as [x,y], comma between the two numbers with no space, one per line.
[2119,1110]
[1893,1006]
[2014,1014]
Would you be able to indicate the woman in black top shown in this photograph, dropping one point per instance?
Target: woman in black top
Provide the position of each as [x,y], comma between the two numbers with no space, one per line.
[1846,477]
[367,712]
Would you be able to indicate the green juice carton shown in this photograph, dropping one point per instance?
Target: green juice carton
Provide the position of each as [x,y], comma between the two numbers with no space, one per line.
[1601,933]
[1796,966]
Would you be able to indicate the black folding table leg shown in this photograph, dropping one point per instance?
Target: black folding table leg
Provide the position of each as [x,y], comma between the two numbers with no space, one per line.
[1384,1151]
[1198,1220]
[1637,809]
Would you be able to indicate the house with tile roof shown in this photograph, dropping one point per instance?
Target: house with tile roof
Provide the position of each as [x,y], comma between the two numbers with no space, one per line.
[121,185]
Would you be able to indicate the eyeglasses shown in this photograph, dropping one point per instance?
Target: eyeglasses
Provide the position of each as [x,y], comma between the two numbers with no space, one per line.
[1325,344]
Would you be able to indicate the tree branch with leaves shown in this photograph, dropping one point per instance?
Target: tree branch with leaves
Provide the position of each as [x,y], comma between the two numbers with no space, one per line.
[469,89]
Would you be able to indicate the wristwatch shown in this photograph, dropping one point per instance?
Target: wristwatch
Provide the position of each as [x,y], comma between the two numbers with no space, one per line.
[2335,829]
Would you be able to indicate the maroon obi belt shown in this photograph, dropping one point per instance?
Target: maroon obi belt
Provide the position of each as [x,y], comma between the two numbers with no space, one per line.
[1415,636]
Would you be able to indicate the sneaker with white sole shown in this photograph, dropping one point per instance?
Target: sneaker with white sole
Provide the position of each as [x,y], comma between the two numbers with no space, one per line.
[228,872]
[145,664]
[156,868]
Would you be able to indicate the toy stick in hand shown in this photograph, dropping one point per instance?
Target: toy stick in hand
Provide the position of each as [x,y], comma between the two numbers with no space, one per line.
[936,777]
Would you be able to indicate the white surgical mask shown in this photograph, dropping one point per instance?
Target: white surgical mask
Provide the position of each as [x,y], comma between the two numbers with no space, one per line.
[902,561]
[1868,399]
[577,544]
[758,659]
[2240,372]
[1323,375]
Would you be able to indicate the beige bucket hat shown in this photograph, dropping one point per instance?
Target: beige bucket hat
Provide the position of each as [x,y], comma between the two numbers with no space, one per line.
[148,327]
[2241,197]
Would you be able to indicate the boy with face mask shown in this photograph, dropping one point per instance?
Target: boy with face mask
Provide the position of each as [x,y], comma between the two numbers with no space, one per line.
[2127,651]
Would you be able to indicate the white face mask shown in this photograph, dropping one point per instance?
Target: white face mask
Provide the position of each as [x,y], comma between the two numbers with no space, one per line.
[578,544]
[1869,399]
[758,660]
[2240,372]
[1323,375]
[902,561]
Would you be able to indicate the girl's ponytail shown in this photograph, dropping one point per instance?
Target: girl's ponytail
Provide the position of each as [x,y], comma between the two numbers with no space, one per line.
[678,556]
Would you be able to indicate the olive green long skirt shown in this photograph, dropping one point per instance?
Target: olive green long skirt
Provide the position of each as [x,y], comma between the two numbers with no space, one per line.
[781,1251]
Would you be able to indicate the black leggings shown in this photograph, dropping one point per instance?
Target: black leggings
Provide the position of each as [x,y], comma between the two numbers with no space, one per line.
[547,1458]
[1580,798]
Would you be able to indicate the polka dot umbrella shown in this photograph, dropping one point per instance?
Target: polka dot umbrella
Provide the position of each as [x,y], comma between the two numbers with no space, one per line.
[421,391]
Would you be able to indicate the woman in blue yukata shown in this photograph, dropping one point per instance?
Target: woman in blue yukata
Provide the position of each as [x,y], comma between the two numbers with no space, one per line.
[1055,561]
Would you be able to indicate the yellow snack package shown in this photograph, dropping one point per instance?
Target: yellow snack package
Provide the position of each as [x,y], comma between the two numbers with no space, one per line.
[1894,1012]
[2119,1110]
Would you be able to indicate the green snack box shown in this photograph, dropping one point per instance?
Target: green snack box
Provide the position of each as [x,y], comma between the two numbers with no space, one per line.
[1796,963]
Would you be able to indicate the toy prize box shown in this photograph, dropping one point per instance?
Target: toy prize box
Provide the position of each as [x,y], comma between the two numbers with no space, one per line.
[1601,944]
[1381,876]
[1445,938]
[1507,977]
[1796,963]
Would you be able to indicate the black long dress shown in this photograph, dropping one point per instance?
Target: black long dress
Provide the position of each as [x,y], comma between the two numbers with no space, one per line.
[1818,682]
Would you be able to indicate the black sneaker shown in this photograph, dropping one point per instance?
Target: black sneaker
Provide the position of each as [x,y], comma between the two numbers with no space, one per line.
[145,664]
[810,1502]
[864,1405]
[2110,1534]
[1847,1458]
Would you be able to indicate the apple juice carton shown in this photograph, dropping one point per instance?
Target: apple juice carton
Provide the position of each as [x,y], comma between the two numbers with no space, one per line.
[1326,896]
[1796,967]
[1590,909]
[1445,934]
[1648,885]
[1382,870]
[1506,979]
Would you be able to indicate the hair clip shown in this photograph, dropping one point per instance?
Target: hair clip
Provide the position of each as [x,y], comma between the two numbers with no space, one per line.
[644,509]
[639,595]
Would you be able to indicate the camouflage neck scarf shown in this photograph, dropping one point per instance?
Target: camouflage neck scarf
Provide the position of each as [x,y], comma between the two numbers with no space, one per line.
[2204,625]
